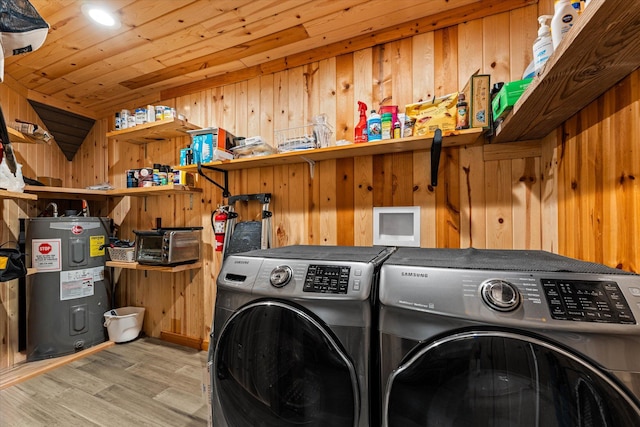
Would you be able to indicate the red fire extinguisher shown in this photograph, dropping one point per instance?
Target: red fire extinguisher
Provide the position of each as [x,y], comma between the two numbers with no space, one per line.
[219,227]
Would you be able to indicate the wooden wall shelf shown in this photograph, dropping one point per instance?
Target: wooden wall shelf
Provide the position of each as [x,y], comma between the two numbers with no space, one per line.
[457,138]
[598,52]
[65,193]
[4,194]
[161,268]
[19,137]
[153,132]
[154,191]
[81,193]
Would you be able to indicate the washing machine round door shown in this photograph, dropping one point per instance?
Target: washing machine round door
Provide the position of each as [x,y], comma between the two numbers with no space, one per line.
[503,379]
[277,365]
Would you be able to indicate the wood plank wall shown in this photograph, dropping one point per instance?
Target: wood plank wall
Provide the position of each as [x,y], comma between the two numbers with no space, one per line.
[538,195]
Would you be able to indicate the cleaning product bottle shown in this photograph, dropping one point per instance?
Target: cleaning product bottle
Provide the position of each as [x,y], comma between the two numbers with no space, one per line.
[462,109]
[386,125]
[374,124]
[563,19]
[361,127]
[577,5]
[397,128]
[543,46]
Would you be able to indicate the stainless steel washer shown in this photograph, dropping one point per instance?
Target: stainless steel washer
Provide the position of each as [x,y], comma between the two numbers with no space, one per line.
[507,338]
[291,337]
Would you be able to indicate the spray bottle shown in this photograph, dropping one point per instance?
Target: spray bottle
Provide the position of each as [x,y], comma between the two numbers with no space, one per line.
[361,127]
[543,46]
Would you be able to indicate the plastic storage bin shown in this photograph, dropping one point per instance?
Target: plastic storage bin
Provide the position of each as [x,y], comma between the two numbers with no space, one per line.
[122,254]
[124,324]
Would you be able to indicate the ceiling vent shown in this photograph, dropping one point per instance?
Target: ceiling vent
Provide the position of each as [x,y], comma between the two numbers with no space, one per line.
[68,129]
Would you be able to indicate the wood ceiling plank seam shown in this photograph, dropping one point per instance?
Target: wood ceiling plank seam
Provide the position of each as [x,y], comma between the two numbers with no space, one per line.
[418,26]
[338,35]
[369,16]
[135,36]
[168,42]
[71,21]
[55,102]
[245,35]
[285,37]
[136,57]
[98,97]
[267,25]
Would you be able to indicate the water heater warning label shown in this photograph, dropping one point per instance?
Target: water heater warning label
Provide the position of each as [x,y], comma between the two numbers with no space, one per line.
[96,246]
[77,283]
[45,254]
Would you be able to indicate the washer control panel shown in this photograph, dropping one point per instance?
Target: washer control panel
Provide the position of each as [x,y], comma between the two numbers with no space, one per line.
[587,301]
[332,279]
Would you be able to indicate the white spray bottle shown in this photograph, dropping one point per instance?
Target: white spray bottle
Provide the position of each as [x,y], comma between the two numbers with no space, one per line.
[543,46]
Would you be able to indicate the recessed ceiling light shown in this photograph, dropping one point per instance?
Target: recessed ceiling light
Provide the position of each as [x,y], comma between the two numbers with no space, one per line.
[101,15]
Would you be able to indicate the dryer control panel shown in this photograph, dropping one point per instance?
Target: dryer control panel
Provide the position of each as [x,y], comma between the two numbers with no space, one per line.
[587,301]
[332,279]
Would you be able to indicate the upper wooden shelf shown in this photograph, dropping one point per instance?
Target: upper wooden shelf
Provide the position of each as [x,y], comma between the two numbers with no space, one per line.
[19,137]
[599,51]
[158,190]
[462,137]
[153,132]
[4,194]
[161,268]
[81,193]
[45,192]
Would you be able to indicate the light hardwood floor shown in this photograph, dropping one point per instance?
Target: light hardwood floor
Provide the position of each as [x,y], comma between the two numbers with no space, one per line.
[146,382]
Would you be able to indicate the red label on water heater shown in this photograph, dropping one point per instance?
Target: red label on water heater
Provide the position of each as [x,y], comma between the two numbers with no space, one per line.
[77,229]
[44,248]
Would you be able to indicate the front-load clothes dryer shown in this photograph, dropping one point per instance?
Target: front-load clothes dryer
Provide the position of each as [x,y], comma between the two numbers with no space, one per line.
[291,337]
[507,338]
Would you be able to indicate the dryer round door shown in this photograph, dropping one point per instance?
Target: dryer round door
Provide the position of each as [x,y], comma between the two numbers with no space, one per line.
[503,379]
[277,365]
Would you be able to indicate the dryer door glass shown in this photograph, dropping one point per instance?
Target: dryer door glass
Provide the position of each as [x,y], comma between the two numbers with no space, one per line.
[276,365]
[503,379]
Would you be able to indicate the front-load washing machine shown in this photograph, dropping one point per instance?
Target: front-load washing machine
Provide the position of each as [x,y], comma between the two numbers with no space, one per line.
[291,337]
[507,338]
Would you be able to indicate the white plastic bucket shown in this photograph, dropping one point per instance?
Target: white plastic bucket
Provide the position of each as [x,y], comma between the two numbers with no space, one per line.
[124,324]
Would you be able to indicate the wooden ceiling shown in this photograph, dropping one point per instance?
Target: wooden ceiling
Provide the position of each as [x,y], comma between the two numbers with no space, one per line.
[165,48]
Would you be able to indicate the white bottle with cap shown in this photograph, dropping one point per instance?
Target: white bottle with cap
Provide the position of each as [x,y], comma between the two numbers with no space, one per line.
[563,19]
[543,46]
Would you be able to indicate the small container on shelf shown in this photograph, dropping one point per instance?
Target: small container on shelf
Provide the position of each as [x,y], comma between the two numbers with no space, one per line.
[121,254]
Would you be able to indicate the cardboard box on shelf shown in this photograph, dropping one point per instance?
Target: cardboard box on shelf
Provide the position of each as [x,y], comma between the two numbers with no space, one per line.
[49,182]
[480,105]
[478,93]
[208,144]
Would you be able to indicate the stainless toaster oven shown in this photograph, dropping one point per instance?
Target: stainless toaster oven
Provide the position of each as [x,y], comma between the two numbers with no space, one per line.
[168,246]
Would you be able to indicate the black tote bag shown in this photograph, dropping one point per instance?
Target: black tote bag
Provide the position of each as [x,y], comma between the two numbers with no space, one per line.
[11,263]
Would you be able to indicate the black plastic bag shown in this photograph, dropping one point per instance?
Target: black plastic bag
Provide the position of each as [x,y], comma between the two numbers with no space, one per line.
[11,263]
